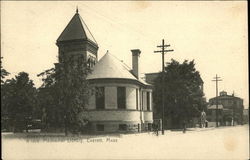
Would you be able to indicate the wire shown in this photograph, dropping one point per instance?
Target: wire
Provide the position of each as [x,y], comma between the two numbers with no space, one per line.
[120,26]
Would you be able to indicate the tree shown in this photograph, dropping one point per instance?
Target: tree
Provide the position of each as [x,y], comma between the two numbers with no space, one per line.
[183,92]
[20,100]
[4,73]
[4,114]
[65,92]
[48,97]
[74,90]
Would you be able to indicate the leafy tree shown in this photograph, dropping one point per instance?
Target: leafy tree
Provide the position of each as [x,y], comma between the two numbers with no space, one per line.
[65,92]
[74,90]
[183,97]
[48,96]
[4,113]
[4,73]
[5,99]
[20,100]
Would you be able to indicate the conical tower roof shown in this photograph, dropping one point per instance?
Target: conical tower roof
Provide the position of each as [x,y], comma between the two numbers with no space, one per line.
[110,67]
[76,30]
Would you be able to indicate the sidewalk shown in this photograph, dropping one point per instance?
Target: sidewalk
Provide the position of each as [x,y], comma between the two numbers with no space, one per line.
[200,129]
[43,135]
[211,128]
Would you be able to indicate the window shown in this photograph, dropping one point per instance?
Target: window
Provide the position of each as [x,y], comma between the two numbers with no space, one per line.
[148,101]
[100,98]
[235,103]
[100,127]
[122,127]
[209,112]
[91,61]
[121,97]
[136,99]
[220,112]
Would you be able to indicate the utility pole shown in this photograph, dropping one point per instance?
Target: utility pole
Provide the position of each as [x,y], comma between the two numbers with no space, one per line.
[233,107]
[163,51]
[216,79]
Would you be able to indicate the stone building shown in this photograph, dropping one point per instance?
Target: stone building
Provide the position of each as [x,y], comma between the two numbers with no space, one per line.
[120,100]
[232,109]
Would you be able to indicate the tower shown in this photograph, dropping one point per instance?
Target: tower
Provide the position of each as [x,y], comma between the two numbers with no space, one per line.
[76,39]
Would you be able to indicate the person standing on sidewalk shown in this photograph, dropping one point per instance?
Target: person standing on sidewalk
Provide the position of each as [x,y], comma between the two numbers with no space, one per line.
[184,126]
[156,128]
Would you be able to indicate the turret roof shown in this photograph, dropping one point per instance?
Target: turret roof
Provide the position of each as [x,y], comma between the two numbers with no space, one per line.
[76,30]
[111,67]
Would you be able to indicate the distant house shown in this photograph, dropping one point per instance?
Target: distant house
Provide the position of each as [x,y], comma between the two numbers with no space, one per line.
[211,115]
[232,111]
[120,101]
[245,116]
[150,77]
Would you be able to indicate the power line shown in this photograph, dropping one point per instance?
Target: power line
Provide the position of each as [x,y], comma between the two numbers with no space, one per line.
[119,26]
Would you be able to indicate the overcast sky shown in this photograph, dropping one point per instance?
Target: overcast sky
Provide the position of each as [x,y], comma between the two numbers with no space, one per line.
[214,34]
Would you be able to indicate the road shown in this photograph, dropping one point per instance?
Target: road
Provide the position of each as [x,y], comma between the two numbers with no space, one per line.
[221,143]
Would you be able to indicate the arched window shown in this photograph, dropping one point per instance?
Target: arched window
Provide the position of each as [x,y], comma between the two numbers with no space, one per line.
[91,62]
[88,62]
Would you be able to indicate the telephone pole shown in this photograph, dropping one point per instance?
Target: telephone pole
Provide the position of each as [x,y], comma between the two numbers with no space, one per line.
[216,79]
[233,108]
[163,51]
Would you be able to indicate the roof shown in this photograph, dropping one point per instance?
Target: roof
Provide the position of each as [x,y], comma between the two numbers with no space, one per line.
[214,106]
[76,30]
[111,67]
[226,97]
[150,77]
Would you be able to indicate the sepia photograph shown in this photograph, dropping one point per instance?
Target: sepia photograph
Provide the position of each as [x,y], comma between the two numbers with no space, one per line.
[124,80]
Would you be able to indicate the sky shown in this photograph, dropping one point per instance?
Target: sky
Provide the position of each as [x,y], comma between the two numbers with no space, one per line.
[212,33]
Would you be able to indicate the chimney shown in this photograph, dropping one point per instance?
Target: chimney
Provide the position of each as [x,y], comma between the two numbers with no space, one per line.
[135,62]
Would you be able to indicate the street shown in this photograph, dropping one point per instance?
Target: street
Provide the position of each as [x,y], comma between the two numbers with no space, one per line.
[221,143]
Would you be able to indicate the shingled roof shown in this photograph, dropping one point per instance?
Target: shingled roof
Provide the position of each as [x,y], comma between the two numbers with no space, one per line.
[76,30]
[110,67]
